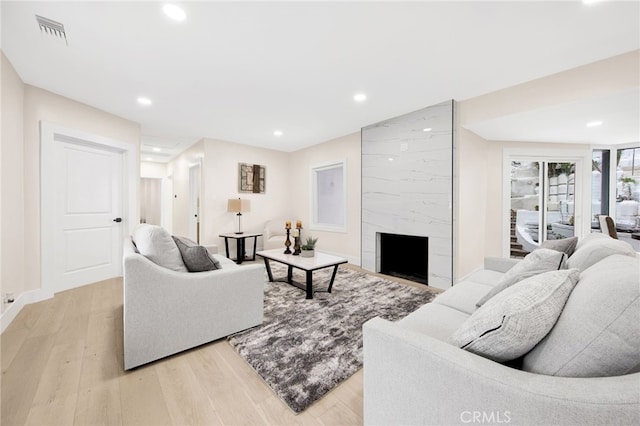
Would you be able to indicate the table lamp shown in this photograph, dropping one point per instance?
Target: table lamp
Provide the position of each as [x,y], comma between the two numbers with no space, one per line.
[240,206]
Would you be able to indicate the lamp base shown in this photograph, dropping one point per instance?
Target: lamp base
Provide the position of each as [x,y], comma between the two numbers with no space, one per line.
[239,232]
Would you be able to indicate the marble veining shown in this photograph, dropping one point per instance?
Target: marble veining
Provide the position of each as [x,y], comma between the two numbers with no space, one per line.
[407,176]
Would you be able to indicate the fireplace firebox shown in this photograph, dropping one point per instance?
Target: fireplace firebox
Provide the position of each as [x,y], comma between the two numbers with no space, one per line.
[404,256]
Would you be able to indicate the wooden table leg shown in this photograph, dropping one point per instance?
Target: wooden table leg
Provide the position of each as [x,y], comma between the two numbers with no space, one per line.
[333,277]
[309,284]
[239,250]
[226,246]
[255,245]
[268,266]
[289,274]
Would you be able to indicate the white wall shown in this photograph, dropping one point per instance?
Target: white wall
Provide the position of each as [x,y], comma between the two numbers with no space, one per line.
[12,225]
[24,167]
[479,224]
[220,182]
[347,243]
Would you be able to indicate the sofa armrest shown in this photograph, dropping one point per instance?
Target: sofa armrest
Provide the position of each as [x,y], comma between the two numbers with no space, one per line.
[499,264]
[412,378]
[167,311]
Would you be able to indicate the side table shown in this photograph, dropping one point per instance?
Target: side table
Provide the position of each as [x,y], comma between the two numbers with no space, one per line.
[240,245]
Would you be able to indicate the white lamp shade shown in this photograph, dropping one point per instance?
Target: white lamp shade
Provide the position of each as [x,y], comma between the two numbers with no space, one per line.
[238,205]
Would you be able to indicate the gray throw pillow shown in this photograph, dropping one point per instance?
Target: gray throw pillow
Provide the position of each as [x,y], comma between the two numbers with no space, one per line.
[567,245]
[598,332]
[536,262]
[515,320]
[155,243]
[195,257]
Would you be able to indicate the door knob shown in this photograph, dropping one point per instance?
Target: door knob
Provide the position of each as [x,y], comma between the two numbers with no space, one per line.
[117,219]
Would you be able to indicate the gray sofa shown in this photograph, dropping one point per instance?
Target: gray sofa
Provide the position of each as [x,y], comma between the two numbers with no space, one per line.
[168,309]
[414,374]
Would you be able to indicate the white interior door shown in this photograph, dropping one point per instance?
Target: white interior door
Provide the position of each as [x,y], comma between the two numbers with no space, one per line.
[87,211]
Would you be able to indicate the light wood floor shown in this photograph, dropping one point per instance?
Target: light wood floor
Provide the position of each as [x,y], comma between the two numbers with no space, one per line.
[62,365]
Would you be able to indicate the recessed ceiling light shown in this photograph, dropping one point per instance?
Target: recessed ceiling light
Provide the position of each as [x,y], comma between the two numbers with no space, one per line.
[156,149]
[144,101]
[277,133]
[426,129]
[594,124]
[360,97]
[591,1]
[149,159]
[174,12]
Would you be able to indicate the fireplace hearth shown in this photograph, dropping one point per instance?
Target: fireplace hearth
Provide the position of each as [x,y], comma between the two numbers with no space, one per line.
[404,256]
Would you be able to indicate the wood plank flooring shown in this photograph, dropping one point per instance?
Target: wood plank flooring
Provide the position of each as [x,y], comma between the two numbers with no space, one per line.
[62,365]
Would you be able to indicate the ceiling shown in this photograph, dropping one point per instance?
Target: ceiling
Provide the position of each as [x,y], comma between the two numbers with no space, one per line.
[238,71]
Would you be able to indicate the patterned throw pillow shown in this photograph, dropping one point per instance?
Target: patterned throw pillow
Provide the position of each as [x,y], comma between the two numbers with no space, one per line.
[515,320]
[536,262]
[195,257]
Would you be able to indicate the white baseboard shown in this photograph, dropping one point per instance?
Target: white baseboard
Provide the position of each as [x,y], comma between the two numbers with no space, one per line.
[13,309]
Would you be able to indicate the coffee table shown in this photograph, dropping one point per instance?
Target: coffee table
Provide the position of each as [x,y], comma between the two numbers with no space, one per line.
[307,264]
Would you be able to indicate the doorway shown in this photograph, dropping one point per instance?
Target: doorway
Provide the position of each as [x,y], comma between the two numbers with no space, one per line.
[151,201]
[87,201]
[544,198]
[194,202]
[542,204]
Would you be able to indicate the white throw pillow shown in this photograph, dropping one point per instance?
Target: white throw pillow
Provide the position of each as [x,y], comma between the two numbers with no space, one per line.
[536,262]
[515,320]
[156,244]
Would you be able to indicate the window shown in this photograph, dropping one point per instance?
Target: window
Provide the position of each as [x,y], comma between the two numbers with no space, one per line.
[328,196]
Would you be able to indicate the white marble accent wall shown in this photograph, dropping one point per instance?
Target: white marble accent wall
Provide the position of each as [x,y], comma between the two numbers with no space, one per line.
[407,185]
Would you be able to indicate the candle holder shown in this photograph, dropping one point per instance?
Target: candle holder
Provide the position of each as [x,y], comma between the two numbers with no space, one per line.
[287,242]
[296,245]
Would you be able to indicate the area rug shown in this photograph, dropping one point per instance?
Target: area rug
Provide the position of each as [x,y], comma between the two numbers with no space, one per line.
[304,348]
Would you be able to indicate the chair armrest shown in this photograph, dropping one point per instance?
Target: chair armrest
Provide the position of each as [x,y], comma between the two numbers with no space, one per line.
[499,264]
[412,378]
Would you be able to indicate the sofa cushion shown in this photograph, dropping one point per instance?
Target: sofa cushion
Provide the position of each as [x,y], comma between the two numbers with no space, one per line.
[435,320]
[486,277]
[156,244]
[596,247]
[463,296]
[196,258]
[536,262]
[566,245]
[597,333]
[510,324]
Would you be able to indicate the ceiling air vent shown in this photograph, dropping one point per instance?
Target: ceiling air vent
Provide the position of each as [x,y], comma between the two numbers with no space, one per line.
[52,27]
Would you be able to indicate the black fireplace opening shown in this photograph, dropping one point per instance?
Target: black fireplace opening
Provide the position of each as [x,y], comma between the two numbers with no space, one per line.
[404,256]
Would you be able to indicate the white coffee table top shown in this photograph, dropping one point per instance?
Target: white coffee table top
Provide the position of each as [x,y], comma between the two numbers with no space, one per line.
[320,260]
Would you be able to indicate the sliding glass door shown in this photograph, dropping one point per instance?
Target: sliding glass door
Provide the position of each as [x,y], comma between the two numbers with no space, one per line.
[542,203]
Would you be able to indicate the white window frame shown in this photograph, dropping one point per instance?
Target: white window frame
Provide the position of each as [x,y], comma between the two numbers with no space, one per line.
[580,156]
[313,202]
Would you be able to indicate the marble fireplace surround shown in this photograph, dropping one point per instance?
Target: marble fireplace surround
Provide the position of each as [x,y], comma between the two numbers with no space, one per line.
[407,186]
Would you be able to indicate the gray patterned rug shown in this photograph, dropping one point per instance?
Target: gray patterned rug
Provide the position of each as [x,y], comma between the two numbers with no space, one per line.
[304,348]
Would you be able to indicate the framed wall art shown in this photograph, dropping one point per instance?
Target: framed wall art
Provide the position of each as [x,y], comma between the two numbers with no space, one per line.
[251,178]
